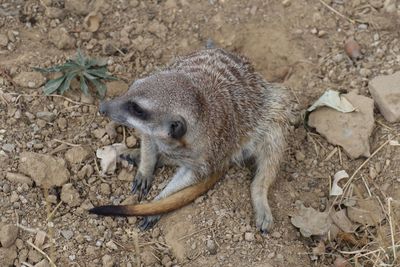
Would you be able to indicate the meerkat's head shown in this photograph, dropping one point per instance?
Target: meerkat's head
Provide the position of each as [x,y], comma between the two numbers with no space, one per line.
[164,106]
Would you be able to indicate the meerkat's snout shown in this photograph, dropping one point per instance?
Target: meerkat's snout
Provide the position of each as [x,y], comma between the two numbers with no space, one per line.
[177,129]
[103,109]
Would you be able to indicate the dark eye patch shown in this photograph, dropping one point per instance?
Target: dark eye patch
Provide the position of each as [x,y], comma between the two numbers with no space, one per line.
[135,110]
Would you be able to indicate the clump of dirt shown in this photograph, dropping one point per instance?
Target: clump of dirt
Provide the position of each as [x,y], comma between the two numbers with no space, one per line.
[300,44]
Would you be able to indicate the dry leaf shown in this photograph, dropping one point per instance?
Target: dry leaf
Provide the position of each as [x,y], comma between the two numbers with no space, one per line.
[336,190]
[108,156]
[366,212]
[333,99]
[311,222]
[342,221]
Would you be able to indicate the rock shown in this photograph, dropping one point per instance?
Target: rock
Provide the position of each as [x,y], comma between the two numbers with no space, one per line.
[211,247]
[299,155]
[165,260]
[67,234]
[70,195]
[148,258]
[99,133]
[125,175]
[80,7]
[131,141]
[8,255]
[77,155]
[8,147]
[87,99]
[45,170]
[8,235]
[276,234]
[109,48]
[54,13]
[61,38]
[29,79]
[3,40]
[43,263]
[108,261]
[116,88]
[111,245]
[248,236]
[349,130]
[386,92]
[86,171]
[105,189]
[46,115]
[62,123]
[19,178]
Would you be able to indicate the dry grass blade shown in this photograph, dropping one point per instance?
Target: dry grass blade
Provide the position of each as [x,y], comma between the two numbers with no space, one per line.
[43,253]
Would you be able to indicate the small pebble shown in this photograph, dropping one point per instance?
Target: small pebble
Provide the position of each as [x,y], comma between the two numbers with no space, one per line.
[211,247]
[248,236]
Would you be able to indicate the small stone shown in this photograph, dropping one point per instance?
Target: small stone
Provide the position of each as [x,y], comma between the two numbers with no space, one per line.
[109,48]
[314,31]
[99,133]
[385,90]
[155,233]
[116,88]
[43,263]
[46,116]
[8,255]
[165,260]
[61,38]
[131,141]
[70,195]
[29,79]
[87,99]
[86,171]
[148,258]
[105,189]
[322,33]
[3,40]
[299,156]
[45,170]
[62,123]
[86,36]
[8,235]
[279,257]
[8,147]
[211,247]
[286,3]
[79,7]
[248,236]
[77,155]
[111,245]
[54,13]
[67,234]
[108,261]
[276,234]
[19,178]
[125,175]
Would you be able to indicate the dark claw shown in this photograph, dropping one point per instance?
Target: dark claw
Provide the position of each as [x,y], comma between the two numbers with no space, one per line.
[141,186]
[148,222]
[135,185]
[131,160]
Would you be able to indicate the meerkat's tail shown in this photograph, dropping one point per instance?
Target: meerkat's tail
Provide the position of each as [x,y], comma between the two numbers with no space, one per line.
[170,203]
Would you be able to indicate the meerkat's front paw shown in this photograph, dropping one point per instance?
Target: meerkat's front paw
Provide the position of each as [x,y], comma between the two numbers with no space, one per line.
[148,222]
[141,185]
[264,218]
[132,157]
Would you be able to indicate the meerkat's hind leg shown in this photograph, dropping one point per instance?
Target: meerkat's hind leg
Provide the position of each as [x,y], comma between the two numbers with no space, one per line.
[269,154]
[183,178]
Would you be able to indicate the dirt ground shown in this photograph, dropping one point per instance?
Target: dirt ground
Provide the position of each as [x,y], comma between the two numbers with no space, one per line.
[298,43]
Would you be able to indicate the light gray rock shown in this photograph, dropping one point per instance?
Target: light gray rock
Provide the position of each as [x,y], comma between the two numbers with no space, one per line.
[8,255]
[29,79]
[349,130]
[45,170]
[61,38]
[77,154]
[386,92]
[19,178]
[70,195]
[8,235]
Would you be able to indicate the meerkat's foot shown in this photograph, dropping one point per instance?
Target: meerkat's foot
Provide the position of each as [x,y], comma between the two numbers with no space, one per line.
[148,222]
[264,218]
[141,185]
[131,156]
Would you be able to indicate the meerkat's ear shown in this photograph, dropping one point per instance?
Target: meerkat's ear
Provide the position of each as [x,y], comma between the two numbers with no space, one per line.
[177,128]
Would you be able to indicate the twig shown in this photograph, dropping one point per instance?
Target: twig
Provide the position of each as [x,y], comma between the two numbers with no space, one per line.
[194,233]
[42,252]
[391,229]
[337,12]
[54,210]
[67,143]
[54,95]
[31,230]
[340,157]
[330,155]
[24,263]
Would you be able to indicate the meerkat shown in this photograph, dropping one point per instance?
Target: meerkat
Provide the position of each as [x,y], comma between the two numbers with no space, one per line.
[203,112]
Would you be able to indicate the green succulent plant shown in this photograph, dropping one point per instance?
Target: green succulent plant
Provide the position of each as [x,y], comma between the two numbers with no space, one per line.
[87,70]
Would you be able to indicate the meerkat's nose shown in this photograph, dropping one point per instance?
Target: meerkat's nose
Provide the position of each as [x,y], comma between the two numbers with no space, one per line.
[103,108]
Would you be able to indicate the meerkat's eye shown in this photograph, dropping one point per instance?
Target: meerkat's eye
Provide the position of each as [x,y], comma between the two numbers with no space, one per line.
[135,110]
